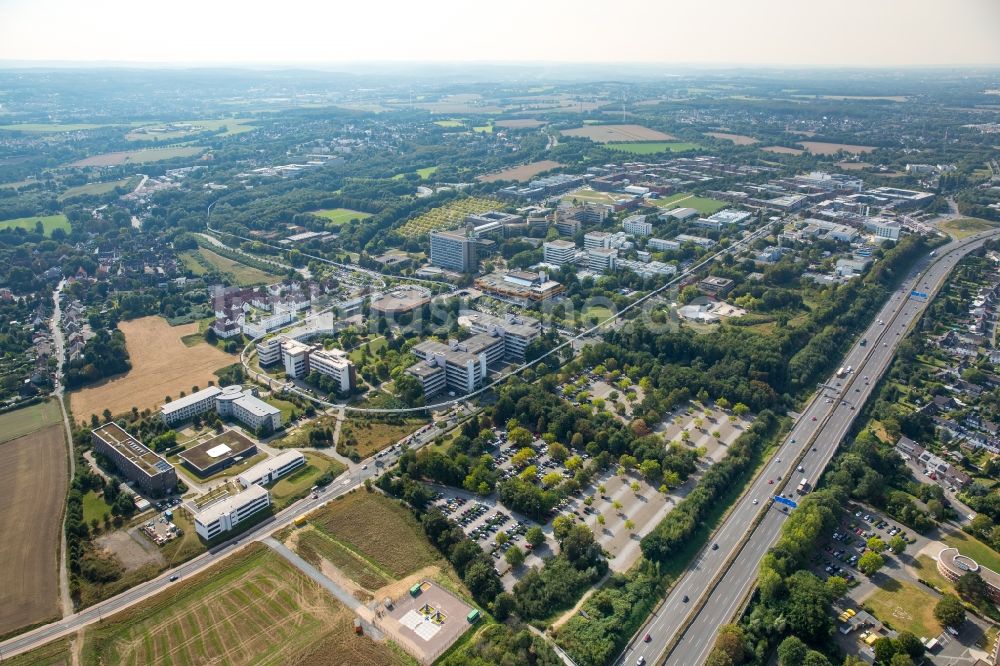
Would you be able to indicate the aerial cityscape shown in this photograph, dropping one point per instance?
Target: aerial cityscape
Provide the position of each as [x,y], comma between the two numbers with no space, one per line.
[547,345]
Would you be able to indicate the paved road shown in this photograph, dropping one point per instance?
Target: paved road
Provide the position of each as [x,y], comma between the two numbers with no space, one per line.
[815,436]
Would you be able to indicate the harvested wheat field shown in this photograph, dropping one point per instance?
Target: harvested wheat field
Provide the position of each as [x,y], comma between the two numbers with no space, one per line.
[254,608]
[33,480]
[162,365]
[521,173]
[520,123]
[738,139]
[782,150]
[609,133]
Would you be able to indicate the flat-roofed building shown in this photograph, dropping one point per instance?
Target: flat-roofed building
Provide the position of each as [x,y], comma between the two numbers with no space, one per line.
[519,287]
[559,252]
[637,225]
[883,227]
[218,453]
[400,300]
[602,260]
[718,286]
[226,514]
[516,331]
[453,250]
[150,472]
[696,240]
[188,406]
[272,469]
[334,364]
[430,375]
[466,363]
[659,244]
[269,351]
[596,239]
[243,405]
[727,216]
[295,356]
[681,214]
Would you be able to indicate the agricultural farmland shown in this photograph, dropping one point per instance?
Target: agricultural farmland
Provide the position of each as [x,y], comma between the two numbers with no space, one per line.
[33,478]
[162,365]
[49,223]
[522,173]
[612,133]
[253,608]
[447,216]
[824,148]
[203,260]
[738,139]
[653,147]
[27,420]
[137,156]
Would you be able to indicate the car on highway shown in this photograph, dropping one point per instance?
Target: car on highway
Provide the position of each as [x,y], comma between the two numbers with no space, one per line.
[755,500]
[770,482]
[715,546]
[174,578]
[647,638]
[814,418]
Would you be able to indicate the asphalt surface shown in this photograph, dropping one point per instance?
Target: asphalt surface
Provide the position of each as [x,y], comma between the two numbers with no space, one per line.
[717,588]
[345,483]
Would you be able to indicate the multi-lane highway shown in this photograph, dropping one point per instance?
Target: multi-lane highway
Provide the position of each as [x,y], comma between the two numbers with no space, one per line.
[718,581]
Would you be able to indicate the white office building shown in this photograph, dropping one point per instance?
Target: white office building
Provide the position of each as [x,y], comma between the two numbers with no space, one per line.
[602,260]
[883,227]
[295,356]
[273,469]
[596,239]
[517,332]
[189,406]
[334,364]
[226,514]
[559,252]
[637,225]
[660,245]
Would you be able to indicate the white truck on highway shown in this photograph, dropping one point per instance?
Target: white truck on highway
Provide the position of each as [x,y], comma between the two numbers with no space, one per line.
[803,486]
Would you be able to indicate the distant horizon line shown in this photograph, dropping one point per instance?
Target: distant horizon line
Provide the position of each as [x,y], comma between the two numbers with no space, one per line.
[13,63]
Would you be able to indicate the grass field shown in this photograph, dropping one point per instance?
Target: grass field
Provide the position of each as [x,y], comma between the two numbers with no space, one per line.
[373,347]
[738,139]
[137,156]
[824,148]
[965,226]
[587,195]
[703,205]
[33,479]
[314,545]
[56,653]
[254,608]
[27,420]
[94,507]
[483,129]
[905,606]
[339,216]
[449,215]
[93,189]
[926,569]
[162,365]
[373,436]
[233,126]
[522,173]
[45,128]
[203,260]
[974,548]
[286,408]
[49,223]
[297,485]
[449,123]
[651,148]
[609,133]
[782,150]
[427,172]
[377,529]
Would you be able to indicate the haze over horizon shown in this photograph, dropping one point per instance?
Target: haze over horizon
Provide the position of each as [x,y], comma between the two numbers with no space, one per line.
[856,33]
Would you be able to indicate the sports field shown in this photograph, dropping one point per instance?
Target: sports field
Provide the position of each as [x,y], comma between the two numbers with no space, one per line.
[27,420]
[609,133]
[49,223]
[651,148]
[33,479]
[254,608]
[340,216]
[378,530]
[522,173]
[137,156]
[703,205]
[162,365]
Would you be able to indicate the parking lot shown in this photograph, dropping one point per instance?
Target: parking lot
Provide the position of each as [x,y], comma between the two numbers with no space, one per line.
[709,427]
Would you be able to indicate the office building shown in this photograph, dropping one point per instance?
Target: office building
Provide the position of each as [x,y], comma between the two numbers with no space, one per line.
[224,515]
[272,469]
[559,252]
[400,300]
[718,286]
[953,565]
[696,240]
[147,470]
[596,239]
[519,287]
[637,225]
[453,250]
[883,228]
[660,245]
[300,359]
[244,406]
[334,364]
[430,375]
[602,260]
[218,453]
[682,214]
[295,356]
[517,332]
[188,406]
[465,364]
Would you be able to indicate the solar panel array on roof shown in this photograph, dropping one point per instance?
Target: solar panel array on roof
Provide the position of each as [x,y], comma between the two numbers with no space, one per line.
[163,465]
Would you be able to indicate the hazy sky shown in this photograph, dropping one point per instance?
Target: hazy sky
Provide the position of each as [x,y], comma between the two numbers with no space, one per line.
[797,32]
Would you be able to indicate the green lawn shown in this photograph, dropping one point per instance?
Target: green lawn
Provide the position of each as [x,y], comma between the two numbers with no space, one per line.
[427,172]
[448,123]
[42,128]
[93,189]
[484,129]
[703,205]
[905,606]
[285,407]
[94,506]
[373,347]
[49,222]
[974,548]
[652,147]
[203,260]
[966,226]
[27,420]
[340,216]
[297,485]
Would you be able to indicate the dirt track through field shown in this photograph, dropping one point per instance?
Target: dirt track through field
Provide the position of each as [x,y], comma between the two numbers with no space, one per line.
[33,480]
[162,365]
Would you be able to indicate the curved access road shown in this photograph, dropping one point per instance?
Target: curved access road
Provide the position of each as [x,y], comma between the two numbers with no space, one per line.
[718,582]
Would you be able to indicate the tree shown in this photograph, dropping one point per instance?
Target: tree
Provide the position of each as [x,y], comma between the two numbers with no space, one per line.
[634,486]
[502,538]
[884,649]
[739,409]
[870,562]
[601,519]
[836,586]
[551,479]
[901,659]
[807,606]
[936,507]
[731,642]
[971,587]
[949,611]
[814,658]
[792,651]
[629,524]
[514,556]
[897,544]
[907,642]
[876,544]
[535,536]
